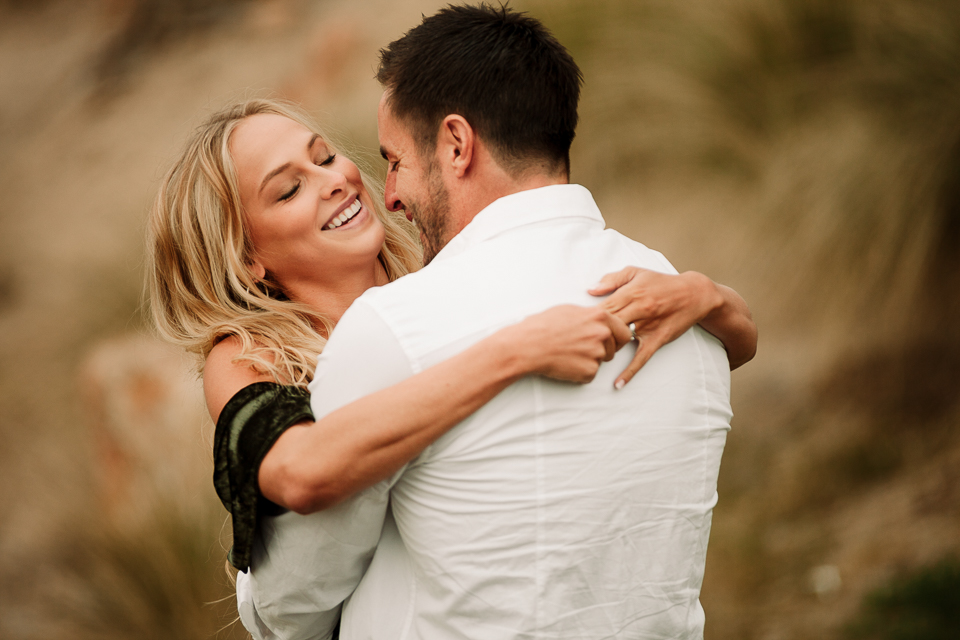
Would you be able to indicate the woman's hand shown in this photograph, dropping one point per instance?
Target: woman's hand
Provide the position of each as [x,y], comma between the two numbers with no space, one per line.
[567,342]
[662,307]
[315,465]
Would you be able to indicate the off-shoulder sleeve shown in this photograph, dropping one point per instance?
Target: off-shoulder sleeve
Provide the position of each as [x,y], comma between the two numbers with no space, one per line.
[248,426]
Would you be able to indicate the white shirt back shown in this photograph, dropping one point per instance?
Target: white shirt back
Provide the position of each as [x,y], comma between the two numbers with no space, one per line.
[556,510]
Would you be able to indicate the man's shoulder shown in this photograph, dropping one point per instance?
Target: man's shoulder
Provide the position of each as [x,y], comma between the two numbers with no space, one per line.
[363,355]
[410,289]
[392,307]
[642,255]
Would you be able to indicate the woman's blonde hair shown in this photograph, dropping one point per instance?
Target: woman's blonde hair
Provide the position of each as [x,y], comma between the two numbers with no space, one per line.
[198,250]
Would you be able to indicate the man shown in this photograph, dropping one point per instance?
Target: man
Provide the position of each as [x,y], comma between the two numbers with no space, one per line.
[555,511]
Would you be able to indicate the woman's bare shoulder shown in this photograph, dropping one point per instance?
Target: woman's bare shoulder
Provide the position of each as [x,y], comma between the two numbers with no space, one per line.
[222,377]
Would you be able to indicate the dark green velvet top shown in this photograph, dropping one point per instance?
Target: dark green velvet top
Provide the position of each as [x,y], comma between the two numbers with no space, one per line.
[248,426]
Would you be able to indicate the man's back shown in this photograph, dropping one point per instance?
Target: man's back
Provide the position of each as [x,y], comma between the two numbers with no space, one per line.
[556,510]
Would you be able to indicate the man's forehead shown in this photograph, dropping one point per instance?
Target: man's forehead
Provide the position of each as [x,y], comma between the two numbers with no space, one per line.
[393,134]
[384,112]
[384,99]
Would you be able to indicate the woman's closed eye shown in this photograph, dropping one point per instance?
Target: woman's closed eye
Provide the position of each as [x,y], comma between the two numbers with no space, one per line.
[290,193]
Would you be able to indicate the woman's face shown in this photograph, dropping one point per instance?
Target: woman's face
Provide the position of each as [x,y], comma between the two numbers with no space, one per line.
[308,214]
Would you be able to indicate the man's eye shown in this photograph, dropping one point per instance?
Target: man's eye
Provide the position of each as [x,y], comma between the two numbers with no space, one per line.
[289,194]
[392,166]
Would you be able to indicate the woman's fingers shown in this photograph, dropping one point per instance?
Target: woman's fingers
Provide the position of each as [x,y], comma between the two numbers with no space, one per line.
[621,333]
[636,295]
[603,334]
[645,349]
[569,342]
[647,345]
[660,306]
[613,281]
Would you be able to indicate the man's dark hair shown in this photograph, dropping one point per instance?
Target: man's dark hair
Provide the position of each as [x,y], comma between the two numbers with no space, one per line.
[501,70]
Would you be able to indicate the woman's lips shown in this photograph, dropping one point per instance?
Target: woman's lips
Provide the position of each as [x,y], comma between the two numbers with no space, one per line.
[344,216]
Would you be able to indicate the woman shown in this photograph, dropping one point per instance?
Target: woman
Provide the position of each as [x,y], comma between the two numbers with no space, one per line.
[262,236]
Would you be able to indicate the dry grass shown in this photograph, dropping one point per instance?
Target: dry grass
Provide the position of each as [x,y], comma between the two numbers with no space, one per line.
[836,121]
[923,605]
[813,482]
[164,579]
[146,26]
[814,145]
[824,135]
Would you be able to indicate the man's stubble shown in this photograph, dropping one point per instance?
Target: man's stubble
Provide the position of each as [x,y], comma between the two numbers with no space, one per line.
[431,216]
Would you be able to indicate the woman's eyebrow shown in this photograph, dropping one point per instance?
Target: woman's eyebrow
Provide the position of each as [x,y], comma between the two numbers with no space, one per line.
[286,165]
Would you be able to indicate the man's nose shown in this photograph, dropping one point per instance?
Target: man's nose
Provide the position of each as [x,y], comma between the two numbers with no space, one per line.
[390,197]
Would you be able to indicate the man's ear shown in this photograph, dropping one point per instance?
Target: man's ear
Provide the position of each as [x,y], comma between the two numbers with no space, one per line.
[456,143]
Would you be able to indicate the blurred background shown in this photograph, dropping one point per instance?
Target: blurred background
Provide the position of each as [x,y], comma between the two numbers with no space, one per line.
[805,152]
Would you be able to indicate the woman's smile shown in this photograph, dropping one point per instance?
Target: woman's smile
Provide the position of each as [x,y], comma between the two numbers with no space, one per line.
[345,217]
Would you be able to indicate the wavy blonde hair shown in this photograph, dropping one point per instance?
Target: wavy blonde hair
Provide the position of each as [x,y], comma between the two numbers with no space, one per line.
[198,249]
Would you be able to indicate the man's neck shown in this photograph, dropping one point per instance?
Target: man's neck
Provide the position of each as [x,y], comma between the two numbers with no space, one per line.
[484,193]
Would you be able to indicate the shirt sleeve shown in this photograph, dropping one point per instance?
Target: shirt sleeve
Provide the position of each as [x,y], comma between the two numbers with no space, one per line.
[304,567]
[362,356]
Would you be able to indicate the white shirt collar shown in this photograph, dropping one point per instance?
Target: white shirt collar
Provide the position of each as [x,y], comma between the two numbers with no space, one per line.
[522,208]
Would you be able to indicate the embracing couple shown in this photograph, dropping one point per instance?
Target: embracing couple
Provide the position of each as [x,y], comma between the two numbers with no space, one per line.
[463,464]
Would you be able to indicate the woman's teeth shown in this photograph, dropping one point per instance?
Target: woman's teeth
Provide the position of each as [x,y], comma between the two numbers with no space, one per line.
[345,215]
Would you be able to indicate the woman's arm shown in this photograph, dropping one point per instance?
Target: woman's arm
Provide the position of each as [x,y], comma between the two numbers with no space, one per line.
[315,465]
[663,306]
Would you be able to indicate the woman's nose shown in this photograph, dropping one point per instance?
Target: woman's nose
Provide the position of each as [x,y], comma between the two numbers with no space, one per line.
[332,183]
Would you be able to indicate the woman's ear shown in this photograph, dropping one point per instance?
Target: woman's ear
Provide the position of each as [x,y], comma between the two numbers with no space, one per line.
[257,270]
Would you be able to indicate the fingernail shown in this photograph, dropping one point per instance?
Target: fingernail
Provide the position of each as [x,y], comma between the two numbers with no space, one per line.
[619,384]
[596,286]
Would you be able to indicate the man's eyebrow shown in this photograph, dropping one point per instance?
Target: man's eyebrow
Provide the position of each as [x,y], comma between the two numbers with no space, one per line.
[383,152]
[286,165]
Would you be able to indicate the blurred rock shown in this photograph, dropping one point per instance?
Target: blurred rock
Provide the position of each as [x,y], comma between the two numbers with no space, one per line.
[271,16]
[335,55]
[152,434]
[8,287]
[825,580]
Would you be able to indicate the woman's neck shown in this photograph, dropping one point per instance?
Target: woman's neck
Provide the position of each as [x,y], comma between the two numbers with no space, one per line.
[332,301]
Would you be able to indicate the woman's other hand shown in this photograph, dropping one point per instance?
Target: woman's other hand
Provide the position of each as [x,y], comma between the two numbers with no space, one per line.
[663,306]
[567,342]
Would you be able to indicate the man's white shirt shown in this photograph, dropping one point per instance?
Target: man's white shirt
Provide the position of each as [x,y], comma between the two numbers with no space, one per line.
[556,510]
